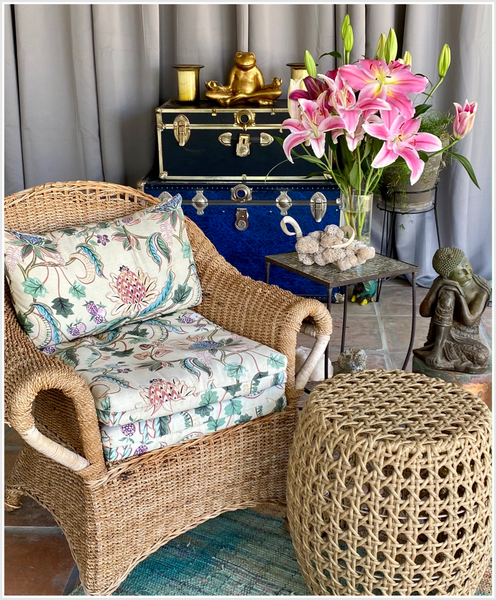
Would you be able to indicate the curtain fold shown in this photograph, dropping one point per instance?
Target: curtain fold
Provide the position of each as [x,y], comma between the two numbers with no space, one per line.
[82,83]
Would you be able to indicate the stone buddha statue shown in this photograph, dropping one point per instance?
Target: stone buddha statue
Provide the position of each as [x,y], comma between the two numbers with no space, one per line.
[455,304]
[246,84]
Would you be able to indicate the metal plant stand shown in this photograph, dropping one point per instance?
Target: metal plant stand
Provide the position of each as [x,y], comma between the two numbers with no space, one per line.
[388,235]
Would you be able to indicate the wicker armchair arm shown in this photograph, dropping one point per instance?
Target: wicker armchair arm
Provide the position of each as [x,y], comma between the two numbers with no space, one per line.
[29,371]
[264,313]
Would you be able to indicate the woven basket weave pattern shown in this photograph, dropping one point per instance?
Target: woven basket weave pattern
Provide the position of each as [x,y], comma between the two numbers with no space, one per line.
[389,486]
[114,515]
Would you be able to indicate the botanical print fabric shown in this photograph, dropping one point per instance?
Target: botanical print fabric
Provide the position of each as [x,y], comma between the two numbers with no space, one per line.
[169,364]
[79,281]
[141,436]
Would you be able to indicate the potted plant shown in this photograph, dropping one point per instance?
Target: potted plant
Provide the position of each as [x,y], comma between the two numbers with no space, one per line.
[357,120]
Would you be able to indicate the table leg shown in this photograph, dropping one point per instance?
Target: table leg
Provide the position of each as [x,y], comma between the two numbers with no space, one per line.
[345,314]
[414,313]
[326,353]
[267,273]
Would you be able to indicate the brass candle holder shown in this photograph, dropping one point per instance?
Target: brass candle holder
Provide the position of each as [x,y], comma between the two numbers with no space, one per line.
[298,70]
[188,82]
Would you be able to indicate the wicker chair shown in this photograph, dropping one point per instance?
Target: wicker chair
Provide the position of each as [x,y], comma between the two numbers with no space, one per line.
[115,514]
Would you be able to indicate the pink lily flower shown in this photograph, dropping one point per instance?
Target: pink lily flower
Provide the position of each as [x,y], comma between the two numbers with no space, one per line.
[352,138]
[401,138]
[464,119]
[344,102]
[315,122]
[390,82]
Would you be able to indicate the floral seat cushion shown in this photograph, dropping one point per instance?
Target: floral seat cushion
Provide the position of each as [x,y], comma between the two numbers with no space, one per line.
[122,441]
[167,365]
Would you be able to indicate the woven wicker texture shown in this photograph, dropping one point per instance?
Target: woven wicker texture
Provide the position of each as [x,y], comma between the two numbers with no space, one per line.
[114,515]
[389,486]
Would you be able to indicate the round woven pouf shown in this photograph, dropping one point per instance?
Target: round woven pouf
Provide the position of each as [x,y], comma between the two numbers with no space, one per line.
[389,486]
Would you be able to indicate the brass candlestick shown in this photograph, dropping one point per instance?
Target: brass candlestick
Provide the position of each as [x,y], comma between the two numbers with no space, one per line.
[188,82]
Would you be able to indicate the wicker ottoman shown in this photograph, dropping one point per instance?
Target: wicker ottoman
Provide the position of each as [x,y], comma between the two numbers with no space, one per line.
[389,486]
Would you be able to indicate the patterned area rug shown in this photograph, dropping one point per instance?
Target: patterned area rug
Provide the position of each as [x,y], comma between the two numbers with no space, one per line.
[241,553]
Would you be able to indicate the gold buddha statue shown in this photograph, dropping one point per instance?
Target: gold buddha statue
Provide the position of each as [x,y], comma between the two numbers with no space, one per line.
[246,84]
[455,303]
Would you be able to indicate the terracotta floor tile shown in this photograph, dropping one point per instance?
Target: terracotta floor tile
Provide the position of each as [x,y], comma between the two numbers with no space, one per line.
[398,331]
[397,360]
[361,332]
[9,460]
[12,438]
[487,327]
[376,361]
[398,300]
[31,514]
[36,563]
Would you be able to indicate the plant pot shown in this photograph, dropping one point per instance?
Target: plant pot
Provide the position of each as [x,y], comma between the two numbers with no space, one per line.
[405,198]
[356,211]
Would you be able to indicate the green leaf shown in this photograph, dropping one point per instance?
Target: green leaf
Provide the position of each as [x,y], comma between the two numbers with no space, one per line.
[186,250]
[278,139]
[214,424]
[423,155]
[209,397]
[333,53]
[69,357]
[243,419]
[233,390]
[24,322]
[26,251]
[236,370]
[181,294]
[62,306]
[34,287]
[468,167]
[312,159]
[233,408]
[277,361]
[77,290]
[69,231]
[122,353]
[164,249]
[421,109]
[173,218]
[355,178]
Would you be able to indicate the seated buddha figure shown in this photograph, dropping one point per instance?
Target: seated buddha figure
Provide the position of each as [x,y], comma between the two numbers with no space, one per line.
[246,84]
[455,304]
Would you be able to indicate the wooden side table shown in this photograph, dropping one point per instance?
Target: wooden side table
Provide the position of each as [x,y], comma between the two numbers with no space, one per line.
[380,267]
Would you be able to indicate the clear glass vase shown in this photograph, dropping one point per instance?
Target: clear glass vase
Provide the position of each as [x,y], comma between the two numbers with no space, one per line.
[356,211]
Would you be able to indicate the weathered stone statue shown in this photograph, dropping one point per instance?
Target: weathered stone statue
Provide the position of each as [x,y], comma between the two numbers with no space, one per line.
[455,304]
[246,84]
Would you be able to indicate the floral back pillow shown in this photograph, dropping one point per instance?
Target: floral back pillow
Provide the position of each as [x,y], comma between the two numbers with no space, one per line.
[80,281]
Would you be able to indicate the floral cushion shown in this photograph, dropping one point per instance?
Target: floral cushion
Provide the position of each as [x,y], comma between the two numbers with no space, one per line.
[167,365]
[79,281]
[136,438]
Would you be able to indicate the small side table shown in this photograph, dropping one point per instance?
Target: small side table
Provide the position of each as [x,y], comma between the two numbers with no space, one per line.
[379,267]
[389,486]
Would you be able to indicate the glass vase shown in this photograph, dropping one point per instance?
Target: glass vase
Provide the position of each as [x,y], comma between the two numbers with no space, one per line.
[356,211]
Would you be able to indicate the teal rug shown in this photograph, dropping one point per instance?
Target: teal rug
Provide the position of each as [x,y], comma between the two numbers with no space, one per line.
[241,553]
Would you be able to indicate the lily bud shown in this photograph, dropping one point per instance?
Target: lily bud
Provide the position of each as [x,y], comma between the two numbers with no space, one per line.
[464,119]
[444,61]
[293,105]
[407,59]
[310,65]
[348,39]
[381,47]
[344,26]
[391,49]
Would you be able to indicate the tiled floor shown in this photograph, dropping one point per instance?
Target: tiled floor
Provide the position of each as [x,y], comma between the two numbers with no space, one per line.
[37,557]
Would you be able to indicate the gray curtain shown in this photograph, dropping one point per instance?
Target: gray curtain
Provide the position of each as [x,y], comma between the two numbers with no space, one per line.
[83,81]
